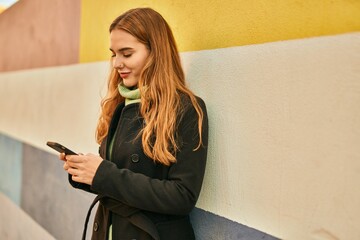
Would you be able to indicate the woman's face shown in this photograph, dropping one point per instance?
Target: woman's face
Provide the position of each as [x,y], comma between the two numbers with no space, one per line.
[128,56]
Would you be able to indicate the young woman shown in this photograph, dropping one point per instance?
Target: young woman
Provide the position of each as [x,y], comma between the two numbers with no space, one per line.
[153,136]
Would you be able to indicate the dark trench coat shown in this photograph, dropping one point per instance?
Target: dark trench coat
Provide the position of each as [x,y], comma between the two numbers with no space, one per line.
[140,198]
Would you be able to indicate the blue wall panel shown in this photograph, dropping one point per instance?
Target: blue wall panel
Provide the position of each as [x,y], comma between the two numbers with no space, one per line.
[213,227]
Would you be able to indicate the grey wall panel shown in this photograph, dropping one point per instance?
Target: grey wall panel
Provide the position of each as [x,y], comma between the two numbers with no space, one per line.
[10,167]
[48,197]
[212,227]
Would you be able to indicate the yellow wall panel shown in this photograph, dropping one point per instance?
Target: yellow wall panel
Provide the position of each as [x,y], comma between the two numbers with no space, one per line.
[211,24]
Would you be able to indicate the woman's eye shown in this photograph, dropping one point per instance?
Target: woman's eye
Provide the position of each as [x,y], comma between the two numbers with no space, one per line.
[127,55]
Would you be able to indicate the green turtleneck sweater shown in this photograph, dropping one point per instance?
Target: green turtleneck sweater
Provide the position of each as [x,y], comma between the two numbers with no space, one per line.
[131,96]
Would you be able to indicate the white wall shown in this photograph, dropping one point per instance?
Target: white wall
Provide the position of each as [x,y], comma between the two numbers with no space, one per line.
[16,224]
[284,129]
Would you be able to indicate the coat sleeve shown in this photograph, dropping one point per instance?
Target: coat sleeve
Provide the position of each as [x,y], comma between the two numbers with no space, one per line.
[81,186]
[175,195]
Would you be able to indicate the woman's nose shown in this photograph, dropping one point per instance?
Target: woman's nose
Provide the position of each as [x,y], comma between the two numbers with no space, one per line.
[118,63]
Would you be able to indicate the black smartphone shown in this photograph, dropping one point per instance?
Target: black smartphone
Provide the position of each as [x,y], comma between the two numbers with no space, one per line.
[60,148]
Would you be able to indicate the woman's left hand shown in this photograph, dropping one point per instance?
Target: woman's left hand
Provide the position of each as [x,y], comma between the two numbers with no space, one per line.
[83,167]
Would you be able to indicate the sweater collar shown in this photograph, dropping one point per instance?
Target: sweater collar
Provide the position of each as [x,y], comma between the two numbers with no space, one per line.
[130,95]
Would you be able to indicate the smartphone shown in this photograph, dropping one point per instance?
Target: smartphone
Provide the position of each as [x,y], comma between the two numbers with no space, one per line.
[60,148]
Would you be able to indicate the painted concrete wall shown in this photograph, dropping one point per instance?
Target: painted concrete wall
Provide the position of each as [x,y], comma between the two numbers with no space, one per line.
[11,168]
[284,115]
[212,24]
[16,224]
[37,33]
[46,207]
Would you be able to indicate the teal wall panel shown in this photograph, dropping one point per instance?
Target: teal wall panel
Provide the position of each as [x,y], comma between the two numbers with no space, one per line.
[10,168]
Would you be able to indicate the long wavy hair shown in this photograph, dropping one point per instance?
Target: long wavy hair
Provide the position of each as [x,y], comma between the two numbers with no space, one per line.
[161,82]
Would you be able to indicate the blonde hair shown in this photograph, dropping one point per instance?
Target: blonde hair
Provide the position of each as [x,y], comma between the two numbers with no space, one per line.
[164,79]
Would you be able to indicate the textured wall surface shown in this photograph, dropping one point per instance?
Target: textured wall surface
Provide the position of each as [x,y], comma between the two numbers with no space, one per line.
[36,33]
[213,227]
[284,132]
[283,153]
[211,24]
[41,197]
[15,224]
[11,168]
[51,209]
[48,197]
[284,114]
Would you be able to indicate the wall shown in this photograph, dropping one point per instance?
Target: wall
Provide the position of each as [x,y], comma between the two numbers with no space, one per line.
[212,24]
[36,33]
[281,86]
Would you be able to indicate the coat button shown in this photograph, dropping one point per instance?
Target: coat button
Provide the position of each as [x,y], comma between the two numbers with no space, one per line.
[96,227]
[135,158]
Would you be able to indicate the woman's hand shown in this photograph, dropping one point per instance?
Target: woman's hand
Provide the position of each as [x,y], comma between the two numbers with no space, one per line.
[81,167]
[62,157]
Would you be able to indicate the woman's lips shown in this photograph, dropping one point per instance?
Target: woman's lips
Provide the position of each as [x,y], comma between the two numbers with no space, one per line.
[124,74]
